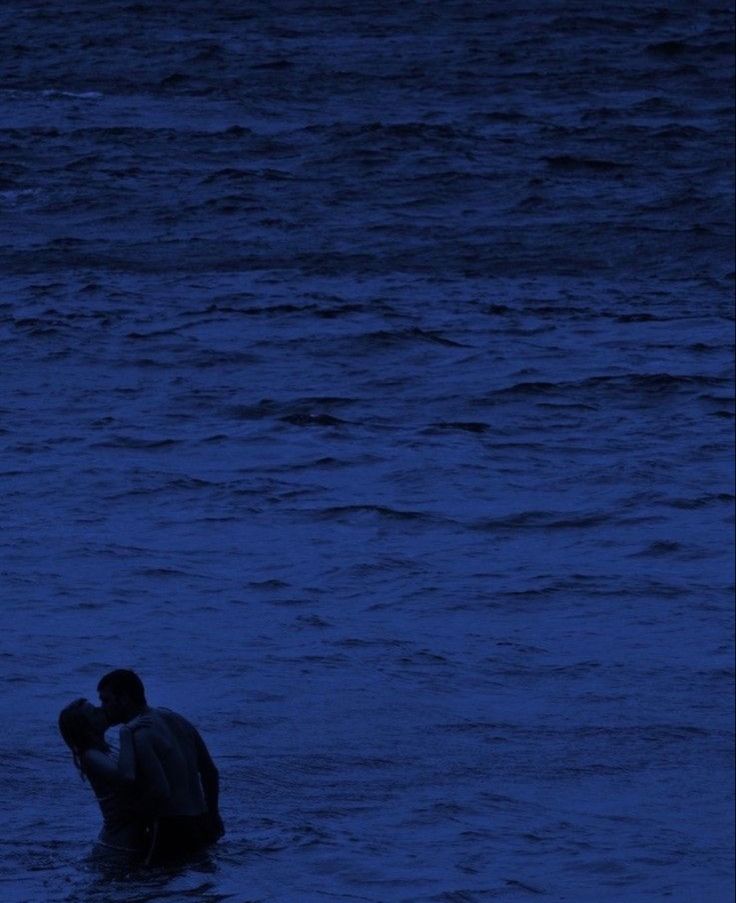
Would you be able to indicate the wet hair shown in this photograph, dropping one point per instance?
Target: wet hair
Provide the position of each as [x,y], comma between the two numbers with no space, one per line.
[78,731]
[121,681]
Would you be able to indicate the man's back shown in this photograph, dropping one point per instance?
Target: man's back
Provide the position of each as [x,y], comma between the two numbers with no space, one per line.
[168,754]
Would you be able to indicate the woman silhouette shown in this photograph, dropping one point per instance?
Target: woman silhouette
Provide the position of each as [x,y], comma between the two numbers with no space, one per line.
[123,836]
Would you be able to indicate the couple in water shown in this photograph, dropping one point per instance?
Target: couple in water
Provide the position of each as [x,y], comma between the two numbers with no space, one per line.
[159,794]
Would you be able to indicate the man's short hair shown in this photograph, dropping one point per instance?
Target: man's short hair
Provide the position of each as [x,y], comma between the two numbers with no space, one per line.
[122,681]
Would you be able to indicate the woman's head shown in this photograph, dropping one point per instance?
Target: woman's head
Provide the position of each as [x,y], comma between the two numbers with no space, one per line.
[82,727]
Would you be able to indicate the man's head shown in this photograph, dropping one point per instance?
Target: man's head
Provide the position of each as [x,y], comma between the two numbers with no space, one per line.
[122,695]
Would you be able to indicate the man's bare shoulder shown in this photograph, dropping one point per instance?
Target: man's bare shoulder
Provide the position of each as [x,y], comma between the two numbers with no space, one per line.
[143,721]
[176,721]
[160,725]
[146,727]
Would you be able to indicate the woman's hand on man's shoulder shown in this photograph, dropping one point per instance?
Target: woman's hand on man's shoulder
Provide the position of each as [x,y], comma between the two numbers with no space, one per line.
[140,721]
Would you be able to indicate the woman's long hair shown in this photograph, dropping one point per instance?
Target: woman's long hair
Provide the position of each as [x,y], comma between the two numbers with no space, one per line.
[79,732]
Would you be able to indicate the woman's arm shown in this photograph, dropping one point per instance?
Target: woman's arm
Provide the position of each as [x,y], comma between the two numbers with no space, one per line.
[127,767]
[126,759]
[152,781]
[98,764]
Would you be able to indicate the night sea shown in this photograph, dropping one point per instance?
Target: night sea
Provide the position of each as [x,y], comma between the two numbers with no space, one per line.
[367,387]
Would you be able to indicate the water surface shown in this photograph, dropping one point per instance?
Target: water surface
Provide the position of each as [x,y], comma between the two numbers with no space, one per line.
[367,386]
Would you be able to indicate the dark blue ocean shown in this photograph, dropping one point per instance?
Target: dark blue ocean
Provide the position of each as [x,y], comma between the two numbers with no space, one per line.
[367,385]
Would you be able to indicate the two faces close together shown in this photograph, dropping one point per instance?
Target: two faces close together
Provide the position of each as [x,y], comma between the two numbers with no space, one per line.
[158,792]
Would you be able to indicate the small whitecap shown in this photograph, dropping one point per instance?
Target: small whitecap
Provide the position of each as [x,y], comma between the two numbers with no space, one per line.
[75,95]
[17,195]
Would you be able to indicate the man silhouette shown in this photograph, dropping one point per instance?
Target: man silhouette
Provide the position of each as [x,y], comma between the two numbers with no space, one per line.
[177,782]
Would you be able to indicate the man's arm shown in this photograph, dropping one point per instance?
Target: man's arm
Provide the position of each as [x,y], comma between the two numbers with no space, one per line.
[210,777]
